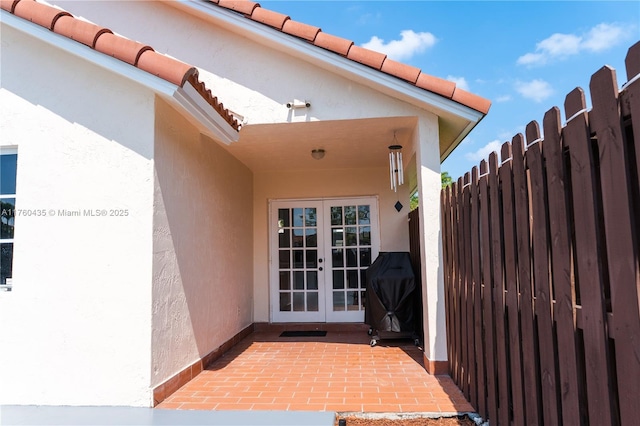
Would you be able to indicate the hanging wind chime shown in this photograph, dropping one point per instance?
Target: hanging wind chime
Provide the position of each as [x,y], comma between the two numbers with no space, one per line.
[396,172]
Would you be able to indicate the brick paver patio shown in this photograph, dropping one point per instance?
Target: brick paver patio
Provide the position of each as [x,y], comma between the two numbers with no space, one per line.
[339,372]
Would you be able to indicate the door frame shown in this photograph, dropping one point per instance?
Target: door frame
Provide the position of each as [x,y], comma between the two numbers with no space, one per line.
[324,248]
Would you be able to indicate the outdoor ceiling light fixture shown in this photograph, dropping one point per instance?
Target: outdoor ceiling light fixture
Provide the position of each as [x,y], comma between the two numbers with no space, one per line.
[317,154]
[296,103]
[396,172]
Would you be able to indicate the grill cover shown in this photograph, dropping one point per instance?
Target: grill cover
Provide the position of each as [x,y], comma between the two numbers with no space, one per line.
[391,285]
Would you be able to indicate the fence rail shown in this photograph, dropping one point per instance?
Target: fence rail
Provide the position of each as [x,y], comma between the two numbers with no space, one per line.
[542,270]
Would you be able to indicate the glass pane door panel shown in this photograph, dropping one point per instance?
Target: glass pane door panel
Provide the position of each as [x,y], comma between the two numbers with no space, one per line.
[285,282]
[298,280]
[299,262]
[336,215]
[338,301]
[351,254]
[312,301]
[284,238]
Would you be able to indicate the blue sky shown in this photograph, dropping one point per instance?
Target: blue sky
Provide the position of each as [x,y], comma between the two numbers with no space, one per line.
[524,56]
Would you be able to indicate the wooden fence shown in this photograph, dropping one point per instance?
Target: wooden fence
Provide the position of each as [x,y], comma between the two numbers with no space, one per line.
[542,276]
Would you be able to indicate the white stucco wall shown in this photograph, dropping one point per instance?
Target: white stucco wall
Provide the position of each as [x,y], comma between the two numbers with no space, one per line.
[429,186]
[75,330]
[203,237]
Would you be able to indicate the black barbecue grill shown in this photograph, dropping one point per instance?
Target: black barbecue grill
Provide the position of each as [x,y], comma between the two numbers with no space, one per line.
[391,305]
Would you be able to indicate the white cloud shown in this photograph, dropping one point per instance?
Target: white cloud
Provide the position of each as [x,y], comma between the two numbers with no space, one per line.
[537,90]
[559,46]
[410,44]
[460,82]
[503,98]
[483,153]
[603,36]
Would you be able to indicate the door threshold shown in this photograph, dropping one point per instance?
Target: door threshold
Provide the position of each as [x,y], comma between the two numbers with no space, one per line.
[305,326]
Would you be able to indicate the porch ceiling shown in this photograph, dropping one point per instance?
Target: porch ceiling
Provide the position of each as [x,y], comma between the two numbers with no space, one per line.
[348,144]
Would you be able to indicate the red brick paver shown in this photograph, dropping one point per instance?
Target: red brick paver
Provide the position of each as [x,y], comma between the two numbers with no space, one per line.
[339,372]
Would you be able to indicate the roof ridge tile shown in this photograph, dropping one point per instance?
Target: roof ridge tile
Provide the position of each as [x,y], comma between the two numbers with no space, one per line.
[242,6]
[8,5]
[436,85]
[300,29]
[125,49]
[333,43]
[105,41]
[166,68]
[471,100]
[401,70]
[367,57]
[269,17]
[38,13]
[78,30]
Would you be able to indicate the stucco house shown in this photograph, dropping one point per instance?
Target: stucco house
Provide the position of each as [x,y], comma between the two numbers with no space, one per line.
[175,172]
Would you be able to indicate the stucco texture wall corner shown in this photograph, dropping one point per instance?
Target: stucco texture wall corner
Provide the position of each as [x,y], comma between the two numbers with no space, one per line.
[429,186]
[76,326]
[202,241]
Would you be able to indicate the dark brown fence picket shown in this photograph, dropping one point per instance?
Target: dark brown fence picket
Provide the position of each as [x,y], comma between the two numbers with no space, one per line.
[511,286]
[542,266]
[476,280]
[615,183]
[542,284]
[487,309]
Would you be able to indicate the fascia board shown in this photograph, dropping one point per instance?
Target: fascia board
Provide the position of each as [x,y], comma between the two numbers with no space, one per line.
[189,102]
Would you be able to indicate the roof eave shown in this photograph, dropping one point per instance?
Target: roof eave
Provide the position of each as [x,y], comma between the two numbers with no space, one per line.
[333,62]
[458,140]
[191,104]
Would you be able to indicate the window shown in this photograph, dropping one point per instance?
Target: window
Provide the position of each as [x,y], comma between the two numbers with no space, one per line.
[8,168]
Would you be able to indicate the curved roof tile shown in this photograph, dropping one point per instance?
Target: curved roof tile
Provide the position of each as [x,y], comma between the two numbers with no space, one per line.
[166,68]
[8,5]
[242,6]
[366,56]
[124,49]
[82,31]
[269,17]
[299,29]
[348,49]
[38,13]
[333,43]
[121,48]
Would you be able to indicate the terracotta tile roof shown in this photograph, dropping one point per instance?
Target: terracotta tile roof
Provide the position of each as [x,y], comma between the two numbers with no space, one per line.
[348,49]
[103,40]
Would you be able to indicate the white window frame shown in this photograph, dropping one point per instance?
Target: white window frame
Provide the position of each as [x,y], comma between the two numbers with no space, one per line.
[12,150]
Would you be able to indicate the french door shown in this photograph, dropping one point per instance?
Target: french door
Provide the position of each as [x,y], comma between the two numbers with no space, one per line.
[319,251]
